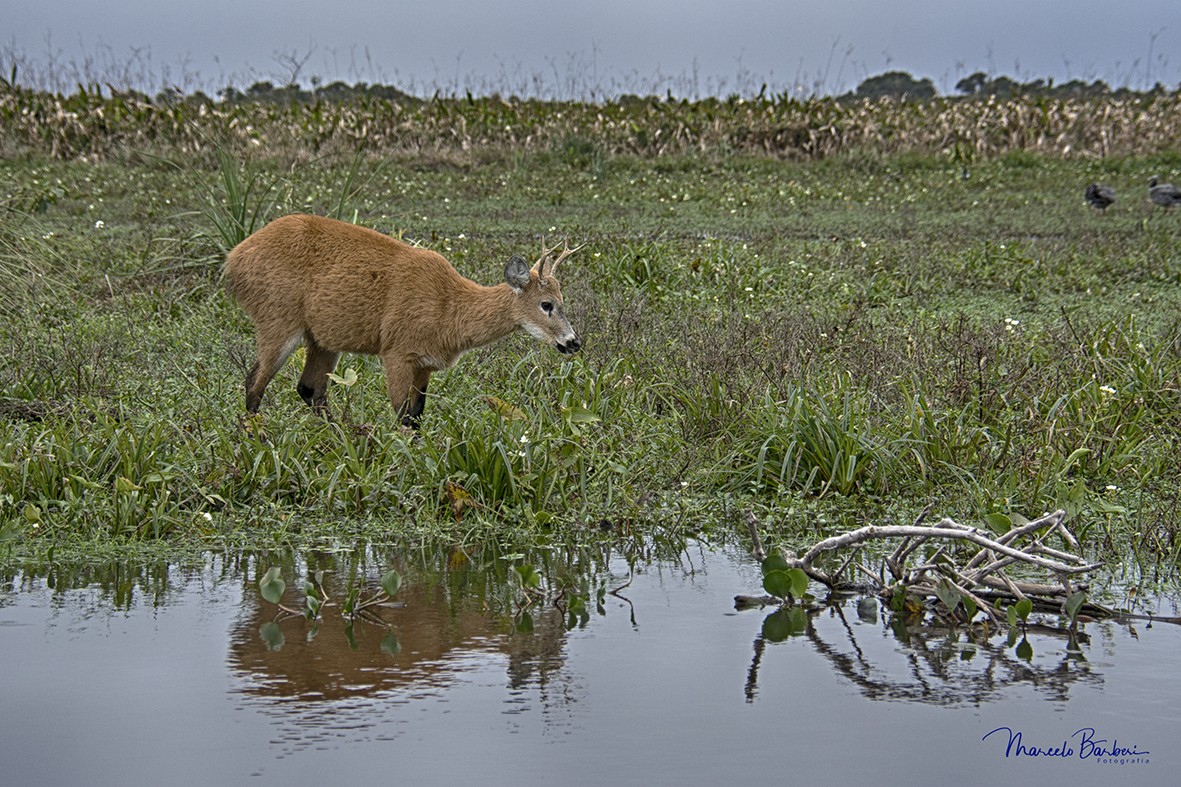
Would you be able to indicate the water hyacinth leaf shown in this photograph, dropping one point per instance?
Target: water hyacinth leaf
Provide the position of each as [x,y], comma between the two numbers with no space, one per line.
[350,602]
[778,584]
[391,581]
[998,523]
[799,582]
[272,585]
[775,563]
[948,594]
[1074,604]
[529,576]
[1023,608]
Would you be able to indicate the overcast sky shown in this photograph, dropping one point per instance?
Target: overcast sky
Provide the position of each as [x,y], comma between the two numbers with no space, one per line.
[546,47]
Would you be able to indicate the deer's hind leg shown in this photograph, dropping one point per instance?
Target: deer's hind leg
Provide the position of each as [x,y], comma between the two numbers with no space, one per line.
[313,383]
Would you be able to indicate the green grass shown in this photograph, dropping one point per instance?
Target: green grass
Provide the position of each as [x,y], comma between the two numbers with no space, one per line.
[826,341]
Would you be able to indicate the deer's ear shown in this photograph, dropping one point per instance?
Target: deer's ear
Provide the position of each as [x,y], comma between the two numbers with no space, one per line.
[516,273]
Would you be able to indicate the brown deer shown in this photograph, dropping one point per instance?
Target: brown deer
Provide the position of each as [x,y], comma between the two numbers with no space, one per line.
[339,287]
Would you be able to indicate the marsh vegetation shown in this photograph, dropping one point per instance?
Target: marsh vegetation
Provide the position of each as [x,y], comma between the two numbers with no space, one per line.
[827,313]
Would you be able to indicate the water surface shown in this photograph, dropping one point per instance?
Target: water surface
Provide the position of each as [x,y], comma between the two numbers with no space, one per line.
[172,676]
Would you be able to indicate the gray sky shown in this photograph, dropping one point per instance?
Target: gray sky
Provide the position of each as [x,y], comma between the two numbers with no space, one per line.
[693,47]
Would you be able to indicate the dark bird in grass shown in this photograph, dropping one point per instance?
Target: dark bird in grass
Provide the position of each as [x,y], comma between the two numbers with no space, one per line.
[1100,196]
[1164,194]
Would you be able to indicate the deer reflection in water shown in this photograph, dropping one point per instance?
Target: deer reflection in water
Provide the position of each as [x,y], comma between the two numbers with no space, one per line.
[323,677]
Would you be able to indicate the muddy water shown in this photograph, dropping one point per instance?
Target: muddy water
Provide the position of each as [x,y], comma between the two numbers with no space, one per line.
[184,676]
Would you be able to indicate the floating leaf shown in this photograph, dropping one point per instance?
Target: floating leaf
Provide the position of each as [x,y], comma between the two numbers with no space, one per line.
[1074,604]
[777,583]
[948,594]
[799,582]
[775,562]
[390,582]
[1024,607]
[272,585]
[782,583]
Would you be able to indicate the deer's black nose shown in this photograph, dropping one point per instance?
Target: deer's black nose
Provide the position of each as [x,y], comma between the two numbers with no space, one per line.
[571,346]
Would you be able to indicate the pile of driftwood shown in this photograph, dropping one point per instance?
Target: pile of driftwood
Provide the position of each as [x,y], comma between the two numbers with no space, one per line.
[926,563]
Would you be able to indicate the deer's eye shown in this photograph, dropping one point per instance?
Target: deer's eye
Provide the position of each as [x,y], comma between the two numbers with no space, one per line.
[547,307]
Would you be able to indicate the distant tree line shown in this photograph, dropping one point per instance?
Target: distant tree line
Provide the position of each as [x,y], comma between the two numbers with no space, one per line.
[899,85]
[902,85]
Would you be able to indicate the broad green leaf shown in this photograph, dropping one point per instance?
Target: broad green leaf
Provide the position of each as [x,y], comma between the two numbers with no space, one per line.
[1074,604]
[1011,616]
[775,562]
[778,584]
[948,595]
[390,582]
[1103,507]
[272,585]
[970,608]
[799,582]
[998,523]
[32,514]
[1024,607]
[529,576]
[1024,649]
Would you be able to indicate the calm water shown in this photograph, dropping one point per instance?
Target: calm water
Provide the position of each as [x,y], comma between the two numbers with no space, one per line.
[169,681]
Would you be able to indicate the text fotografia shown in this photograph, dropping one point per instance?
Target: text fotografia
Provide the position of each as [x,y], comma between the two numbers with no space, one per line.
[1083,745]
